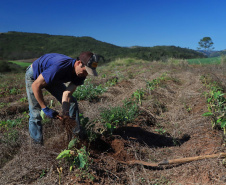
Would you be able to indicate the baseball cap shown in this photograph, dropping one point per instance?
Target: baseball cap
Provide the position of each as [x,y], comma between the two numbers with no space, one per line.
[90,61]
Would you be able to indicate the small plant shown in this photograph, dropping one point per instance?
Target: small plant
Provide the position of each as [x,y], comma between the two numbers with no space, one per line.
[88,128]
[130,75]
[14,91]
[103,76]
[10,137]
[155,82]
[10,123]
[119,116]
[2,104]
[88,91]
[23,100]
[216,104]
[161,131]
[60,171]
[79,158]
[139,95]
[43,173]
[111,82]
[188,108]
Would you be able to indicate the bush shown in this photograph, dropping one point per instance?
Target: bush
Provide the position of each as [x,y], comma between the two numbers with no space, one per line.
[4,66]
[9,67]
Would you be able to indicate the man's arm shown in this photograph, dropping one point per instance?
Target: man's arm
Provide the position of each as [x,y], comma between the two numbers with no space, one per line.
[66,98]
[37,86]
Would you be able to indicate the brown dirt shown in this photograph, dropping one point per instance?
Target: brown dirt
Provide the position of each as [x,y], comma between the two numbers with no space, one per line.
[165,129]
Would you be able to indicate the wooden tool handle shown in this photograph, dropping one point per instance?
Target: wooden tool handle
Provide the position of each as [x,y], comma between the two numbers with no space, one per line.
[189,159]
[174,161]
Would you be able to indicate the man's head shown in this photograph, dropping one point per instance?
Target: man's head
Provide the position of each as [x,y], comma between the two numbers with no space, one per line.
[90,61]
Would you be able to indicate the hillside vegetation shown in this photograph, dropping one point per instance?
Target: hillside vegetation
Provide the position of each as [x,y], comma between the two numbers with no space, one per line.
[20,45]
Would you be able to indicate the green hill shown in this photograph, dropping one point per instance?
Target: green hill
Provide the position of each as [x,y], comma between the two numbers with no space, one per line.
[21,45]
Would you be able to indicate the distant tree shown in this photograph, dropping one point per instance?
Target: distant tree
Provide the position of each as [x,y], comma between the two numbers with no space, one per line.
[206,43]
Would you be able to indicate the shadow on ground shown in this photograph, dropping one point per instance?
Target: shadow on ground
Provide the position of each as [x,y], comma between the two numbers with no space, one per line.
[151,139]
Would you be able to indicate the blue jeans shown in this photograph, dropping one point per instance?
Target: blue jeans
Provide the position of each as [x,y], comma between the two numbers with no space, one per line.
[56,89]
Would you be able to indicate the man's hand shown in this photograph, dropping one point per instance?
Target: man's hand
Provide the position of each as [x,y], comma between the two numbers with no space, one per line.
[50,112]
[66,98]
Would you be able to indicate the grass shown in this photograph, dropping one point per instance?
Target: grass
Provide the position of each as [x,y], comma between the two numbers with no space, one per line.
[129,61]
[22,64]
[214,60]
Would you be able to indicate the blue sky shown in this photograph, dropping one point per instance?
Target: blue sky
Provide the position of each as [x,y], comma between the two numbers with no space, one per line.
[121,22]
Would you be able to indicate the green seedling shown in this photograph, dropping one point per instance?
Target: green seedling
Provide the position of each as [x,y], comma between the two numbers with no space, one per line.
[79,158]
[155,82]
[43,173]
[161,131]
[23,100]
[88,128]
[188,108]
[216,104]
[139,95]
[88,91]
[114,117]
[111,82]
[73,143]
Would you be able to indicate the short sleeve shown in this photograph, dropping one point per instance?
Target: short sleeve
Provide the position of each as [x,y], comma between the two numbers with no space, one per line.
[50,74]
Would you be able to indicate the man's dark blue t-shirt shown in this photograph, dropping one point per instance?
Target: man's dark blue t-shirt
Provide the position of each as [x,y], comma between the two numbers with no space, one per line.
[56,67]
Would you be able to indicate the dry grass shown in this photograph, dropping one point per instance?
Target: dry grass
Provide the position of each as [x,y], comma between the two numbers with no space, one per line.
[170,126]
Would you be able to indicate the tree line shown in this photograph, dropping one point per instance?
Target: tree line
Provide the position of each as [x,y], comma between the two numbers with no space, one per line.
[22,45]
